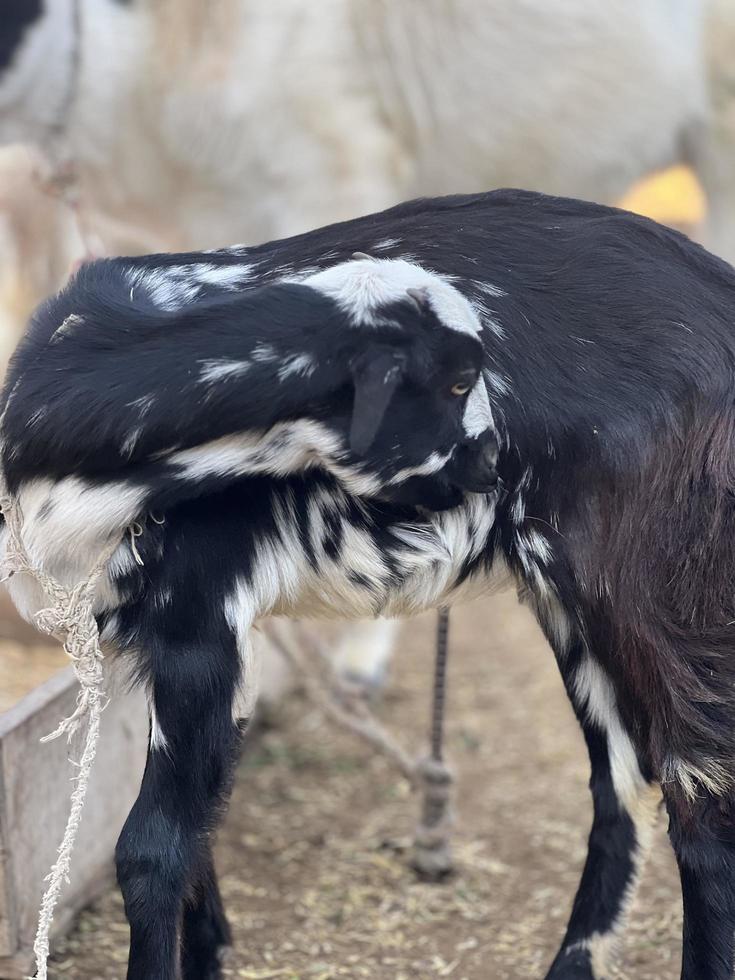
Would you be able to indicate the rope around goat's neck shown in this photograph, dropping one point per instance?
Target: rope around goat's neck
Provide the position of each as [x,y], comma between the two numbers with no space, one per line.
[69,618]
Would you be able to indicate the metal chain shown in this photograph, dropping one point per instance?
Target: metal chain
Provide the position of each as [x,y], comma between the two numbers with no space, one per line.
[440,685]
[431,856]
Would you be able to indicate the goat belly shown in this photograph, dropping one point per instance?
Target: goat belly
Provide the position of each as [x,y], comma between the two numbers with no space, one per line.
[304,547]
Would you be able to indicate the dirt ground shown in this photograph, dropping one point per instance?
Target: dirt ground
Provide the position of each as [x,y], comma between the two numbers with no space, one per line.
[313,852]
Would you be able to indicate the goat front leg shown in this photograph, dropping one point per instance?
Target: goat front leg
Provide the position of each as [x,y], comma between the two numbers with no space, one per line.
[625,806]
[162,855]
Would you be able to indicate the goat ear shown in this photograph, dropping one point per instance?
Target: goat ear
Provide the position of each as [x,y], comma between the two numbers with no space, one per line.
[376,378]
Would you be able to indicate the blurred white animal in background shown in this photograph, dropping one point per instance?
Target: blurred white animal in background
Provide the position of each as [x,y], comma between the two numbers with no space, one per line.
[39,239]
[194,125]
[244,120]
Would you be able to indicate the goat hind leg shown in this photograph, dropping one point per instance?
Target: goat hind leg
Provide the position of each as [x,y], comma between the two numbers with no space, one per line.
[625,806]
[702,832]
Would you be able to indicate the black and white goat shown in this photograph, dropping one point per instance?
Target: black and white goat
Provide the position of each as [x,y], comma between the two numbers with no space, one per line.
[302,422]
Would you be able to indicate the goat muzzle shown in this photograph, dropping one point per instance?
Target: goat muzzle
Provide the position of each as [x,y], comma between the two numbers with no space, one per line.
[473,466]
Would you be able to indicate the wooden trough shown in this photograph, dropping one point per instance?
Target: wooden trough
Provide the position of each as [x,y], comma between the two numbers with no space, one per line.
[37,690]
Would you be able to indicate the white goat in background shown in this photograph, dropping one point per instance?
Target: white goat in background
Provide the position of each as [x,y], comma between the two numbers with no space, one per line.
[251,120]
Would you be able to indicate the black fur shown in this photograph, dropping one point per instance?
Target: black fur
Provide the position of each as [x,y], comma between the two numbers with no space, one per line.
[17,17]
[120,353]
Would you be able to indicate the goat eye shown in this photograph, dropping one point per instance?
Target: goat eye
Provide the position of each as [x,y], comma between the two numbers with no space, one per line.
[461,388]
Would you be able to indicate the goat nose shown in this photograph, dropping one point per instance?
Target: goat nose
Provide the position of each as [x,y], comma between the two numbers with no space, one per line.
[488,462]
[482,477]
[487,456]
[490,452]
[486,482]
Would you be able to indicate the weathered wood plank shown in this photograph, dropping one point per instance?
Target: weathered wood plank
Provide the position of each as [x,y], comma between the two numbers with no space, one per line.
[36,783]
[8,918]
[16,967]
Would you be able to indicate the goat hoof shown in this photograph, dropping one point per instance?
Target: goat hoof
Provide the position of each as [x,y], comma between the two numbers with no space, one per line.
[572,964]
[209,966]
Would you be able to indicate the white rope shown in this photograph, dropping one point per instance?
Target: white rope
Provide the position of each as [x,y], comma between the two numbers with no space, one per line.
[68,617]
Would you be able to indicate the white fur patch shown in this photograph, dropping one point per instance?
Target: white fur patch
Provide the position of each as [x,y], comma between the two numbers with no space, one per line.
[533,550]
[714,777]
[435,553]
[496,382]
[238,609]
[594,689]
[264,353]
[292,273]
[130,441]
[488,288]
[385,244]
[226,276]
[538,545]
[217,370]
[287,447]
[143,404]
[159,743]
[362,286]
[478,416]
[163,287]
[66,526]
[300,365]
[488,318]
[433,464]
[555,620]
[173,287]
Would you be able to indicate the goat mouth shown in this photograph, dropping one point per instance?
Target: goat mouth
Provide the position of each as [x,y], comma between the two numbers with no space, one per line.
[490,485]
[423,494]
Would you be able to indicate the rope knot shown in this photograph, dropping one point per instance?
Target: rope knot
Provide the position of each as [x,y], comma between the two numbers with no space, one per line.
[69,618]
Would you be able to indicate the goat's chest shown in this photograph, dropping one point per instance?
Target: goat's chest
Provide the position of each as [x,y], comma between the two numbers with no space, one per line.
[320,555]
[338,564]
